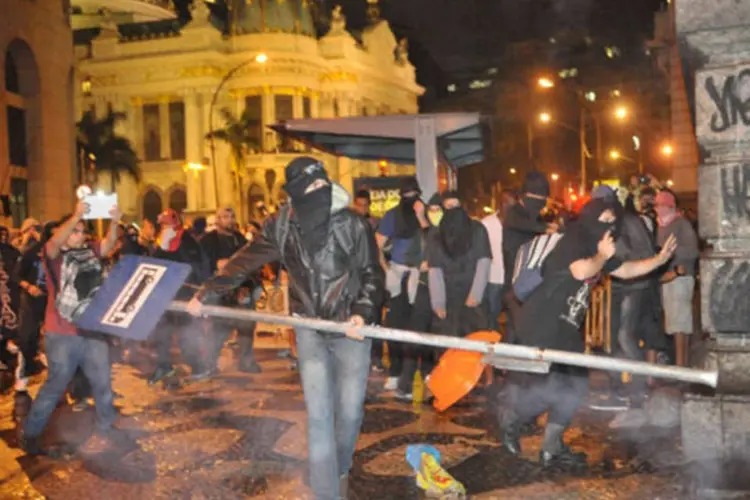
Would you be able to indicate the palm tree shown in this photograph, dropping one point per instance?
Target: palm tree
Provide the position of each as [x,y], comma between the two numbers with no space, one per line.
[238,133]
[100,149]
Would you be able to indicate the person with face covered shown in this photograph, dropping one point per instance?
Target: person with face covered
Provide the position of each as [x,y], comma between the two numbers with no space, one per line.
[219,245]
[176,244]
[552,318]
[331,260]
[521,225]
[459,266]
[402,226]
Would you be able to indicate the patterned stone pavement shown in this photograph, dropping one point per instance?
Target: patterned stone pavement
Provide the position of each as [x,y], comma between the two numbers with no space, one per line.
[243,436]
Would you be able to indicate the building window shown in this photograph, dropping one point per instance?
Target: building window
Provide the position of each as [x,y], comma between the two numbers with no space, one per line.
[306,107]
[151,133]
[86,86]
[151,205]
[19,200]
[11,75]
[254,117]
[17,136]
[177,130]
[336,112]
[284,112]
[178,200]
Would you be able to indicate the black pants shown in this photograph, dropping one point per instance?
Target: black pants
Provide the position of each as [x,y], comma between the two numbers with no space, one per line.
[219,332]
[411,354]
[513,308]
[398,316]
[31,312]
[559,392]
[190,333]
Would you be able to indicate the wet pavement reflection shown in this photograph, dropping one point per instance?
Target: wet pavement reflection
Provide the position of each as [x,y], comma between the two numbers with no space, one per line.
[243,436]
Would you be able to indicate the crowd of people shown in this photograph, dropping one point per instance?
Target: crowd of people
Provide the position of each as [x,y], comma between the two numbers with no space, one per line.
[426,266]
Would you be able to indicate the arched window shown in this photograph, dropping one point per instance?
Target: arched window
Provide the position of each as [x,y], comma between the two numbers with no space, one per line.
[151,205]
[178,199]
[11,75]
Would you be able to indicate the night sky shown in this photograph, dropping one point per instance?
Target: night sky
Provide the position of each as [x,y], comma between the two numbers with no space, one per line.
[461,33]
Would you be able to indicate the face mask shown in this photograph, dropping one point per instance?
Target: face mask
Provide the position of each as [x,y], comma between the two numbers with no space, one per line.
[435,218]
[167,235]
[534,205]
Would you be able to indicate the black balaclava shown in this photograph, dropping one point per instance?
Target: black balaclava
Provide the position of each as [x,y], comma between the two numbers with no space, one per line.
[455,229]
[312,210]
[587,230]
[535,183]
[407,224]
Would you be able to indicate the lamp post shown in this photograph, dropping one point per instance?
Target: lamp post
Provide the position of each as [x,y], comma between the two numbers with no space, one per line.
[260,58]
[546,118]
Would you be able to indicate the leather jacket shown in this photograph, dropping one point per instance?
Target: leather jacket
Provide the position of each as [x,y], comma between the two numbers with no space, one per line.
[344,278]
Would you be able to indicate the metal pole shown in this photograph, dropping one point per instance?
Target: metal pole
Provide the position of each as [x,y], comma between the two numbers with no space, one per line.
[704,377]
[582,134]
[530,138]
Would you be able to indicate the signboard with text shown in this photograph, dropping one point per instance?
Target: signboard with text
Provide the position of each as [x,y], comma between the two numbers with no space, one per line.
[384,192]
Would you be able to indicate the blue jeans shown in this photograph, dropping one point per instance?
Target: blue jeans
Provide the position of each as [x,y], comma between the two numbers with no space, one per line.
[493,303]
[65,353]
[334,372]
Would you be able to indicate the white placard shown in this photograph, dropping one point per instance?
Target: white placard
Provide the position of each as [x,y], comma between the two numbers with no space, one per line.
[99,205]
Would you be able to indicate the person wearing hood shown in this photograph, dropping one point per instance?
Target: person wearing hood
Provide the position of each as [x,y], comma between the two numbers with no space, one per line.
[459,266]
[176,244]
[552,318]
[331,260]
[402,226]
[521,225]
[678,283]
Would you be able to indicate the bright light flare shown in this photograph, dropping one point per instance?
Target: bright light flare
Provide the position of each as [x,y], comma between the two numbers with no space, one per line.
[546,83]
[261,58]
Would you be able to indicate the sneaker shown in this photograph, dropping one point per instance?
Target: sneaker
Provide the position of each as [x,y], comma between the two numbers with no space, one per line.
[403,395]
[161,373]
[200,376]
[81,405]
[391,384]
[377,366]
[613,402]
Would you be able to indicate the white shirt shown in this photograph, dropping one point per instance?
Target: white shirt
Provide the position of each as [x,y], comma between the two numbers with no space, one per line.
[495,232]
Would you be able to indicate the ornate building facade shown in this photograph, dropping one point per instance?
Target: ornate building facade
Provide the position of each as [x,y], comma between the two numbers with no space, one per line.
[176,83]
[36,115]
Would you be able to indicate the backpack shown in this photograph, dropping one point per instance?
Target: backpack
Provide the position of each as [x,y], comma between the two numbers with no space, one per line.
[80,279]
[527,272]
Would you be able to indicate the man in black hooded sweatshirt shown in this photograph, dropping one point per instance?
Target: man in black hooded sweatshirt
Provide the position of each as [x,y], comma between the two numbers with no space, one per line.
[459,261]
[521,225]
[552,318]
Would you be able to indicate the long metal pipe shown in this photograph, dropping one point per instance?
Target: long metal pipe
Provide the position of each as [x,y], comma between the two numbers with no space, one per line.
[704,377]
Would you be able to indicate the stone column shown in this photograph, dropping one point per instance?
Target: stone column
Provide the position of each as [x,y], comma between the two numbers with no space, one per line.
[136,125]
[208,187]
[715,44]
[164,128]
[194,150]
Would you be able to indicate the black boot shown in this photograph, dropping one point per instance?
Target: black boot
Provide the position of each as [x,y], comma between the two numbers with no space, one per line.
[556,453]
[511,433]
[249,365]
[161,373]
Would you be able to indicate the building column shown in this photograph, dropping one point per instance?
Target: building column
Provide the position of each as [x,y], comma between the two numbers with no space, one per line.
[713,38]
[315,105]
[268,107]
[164,132]
[297,106]
[194,151]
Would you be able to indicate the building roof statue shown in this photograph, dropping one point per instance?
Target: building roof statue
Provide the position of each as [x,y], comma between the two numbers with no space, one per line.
[402,52]
[338,21]
[271,16]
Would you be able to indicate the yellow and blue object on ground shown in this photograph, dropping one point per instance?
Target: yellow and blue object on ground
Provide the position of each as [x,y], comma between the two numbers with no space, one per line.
[435,481]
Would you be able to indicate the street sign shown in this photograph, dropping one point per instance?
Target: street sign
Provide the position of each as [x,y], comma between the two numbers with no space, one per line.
[134,297]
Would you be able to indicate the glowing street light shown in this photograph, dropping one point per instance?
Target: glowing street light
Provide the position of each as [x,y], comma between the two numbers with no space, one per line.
[546,83]
[670,183]
[614,154]
[621,113]
[667,150]
[545,117]
[261,58]
[513,171]
[555,177]
[195,168]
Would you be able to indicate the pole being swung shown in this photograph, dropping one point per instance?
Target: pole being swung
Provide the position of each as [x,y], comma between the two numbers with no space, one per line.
[704,377]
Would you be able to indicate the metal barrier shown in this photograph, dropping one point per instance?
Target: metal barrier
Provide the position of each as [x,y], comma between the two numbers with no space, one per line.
[598,325]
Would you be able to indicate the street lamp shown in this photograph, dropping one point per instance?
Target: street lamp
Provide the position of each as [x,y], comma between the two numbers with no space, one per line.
[545,117]
[614,154]
[195,168]
[261,58]
[621,112]
[555,177]
[513,171]
[546,83]
[667,150]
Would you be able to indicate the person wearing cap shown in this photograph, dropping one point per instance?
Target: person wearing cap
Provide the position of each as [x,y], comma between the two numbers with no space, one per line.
[177,244]
[332,265]
[219,245]
[402,226]
[522,223]
[632,316]
[678,283]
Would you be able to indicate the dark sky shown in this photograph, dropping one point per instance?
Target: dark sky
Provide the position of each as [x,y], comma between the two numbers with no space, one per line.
[459,32]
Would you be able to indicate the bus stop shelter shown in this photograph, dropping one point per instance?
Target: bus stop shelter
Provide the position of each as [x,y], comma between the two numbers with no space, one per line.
[436,144]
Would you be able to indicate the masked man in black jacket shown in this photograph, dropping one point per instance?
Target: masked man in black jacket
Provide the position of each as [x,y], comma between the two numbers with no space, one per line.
[331,259]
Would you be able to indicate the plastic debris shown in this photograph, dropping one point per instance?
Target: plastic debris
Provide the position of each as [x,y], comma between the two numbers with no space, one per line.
[430,475]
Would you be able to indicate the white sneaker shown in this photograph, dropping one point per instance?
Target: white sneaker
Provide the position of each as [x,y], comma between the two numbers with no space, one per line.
[391,384]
